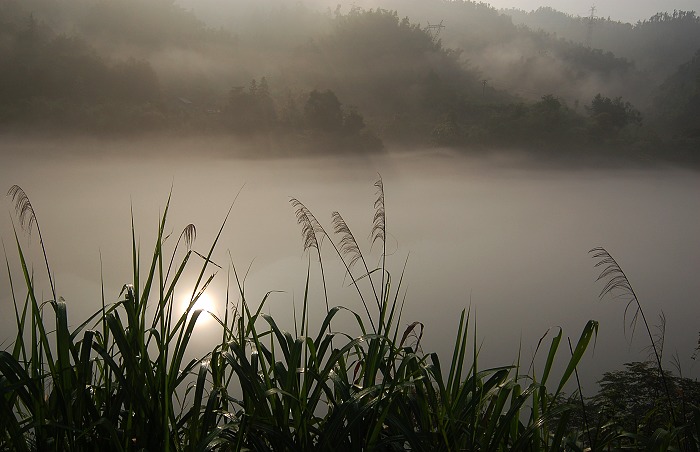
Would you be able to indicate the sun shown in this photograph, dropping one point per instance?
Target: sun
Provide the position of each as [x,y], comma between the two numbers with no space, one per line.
[206,302]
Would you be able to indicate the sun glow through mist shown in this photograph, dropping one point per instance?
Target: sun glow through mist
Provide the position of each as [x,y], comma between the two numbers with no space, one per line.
[206,302]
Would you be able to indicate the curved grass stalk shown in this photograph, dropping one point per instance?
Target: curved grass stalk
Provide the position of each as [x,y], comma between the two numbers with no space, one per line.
[379,229]
[262,388]
[311,228]
[27,218]
[616,280]
[106,390]
[350,248]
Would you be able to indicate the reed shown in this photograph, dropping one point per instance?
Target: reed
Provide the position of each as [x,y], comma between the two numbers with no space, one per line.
[682,429]
[120,380]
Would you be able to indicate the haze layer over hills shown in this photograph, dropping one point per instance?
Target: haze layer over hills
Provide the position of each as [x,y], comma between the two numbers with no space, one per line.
[424,72]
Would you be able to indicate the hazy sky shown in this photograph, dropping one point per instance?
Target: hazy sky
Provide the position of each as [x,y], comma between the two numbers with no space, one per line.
[623,10]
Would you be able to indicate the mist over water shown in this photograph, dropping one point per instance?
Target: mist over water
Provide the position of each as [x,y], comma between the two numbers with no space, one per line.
[507,239]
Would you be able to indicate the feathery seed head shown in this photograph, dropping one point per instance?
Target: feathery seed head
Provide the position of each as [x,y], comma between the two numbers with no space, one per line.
[190,235]
[348,244]
[23,207]
[309,225]
[379,222]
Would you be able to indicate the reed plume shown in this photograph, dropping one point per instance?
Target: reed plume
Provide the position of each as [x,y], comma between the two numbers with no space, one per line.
[348,244]
[379,233]
[190,235]
[23,208]
[350,249]
[616,280]
[27,217]
[310,231]
[310,227]
[379,224]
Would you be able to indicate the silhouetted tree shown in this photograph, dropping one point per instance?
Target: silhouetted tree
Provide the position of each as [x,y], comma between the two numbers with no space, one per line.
[634,400]
[322,111]
[353,122]
[611,115]
[251,111]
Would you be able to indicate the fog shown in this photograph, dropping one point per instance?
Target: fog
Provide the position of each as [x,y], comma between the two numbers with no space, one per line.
[626,11]
[348,77]
[507,238]
[510,142]
[527,62]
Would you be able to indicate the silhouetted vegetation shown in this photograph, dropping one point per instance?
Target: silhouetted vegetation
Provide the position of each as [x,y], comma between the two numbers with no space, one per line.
[630,411]
[120,380]
[61,81]
[657,45]
[677,107]
[251,110]
[610,116]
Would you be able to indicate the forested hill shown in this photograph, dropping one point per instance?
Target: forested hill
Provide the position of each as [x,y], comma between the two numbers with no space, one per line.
[657,45]
[424,72]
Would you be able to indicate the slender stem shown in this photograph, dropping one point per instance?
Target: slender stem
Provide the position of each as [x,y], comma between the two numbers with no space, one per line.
[658,360]
[651,337]
[583,404]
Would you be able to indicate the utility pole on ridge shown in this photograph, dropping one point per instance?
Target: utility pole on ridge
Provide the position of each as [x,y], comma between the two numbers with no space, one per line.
[434,30]
[589,33]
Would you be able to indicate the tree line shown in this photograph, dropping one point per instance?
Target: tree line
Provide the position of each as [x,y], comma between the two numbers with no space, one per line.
[362,77]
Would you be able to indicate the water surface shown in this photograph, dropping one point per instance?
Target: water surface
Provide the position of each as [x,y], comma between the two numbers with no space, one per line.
[508,239]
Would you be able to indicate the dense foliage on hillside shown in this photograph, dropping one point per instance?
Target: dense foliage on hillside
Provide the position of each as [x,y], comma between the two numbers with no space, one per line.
[101,66]
[657,45]
[677,107]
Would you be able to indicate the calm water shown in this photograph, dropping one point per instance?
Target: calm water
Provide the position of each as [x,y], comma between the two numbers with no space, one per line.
[510,241]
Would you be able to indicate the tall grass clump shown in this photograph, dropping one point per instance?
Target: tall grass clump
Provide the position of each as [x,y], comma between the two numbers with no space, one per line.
[116,380]
[120,380]
[616,281]
[677,425]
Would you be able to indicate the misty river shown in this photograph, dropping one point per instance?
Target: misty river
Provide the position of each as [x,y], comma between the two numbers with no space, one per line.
[509,238]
